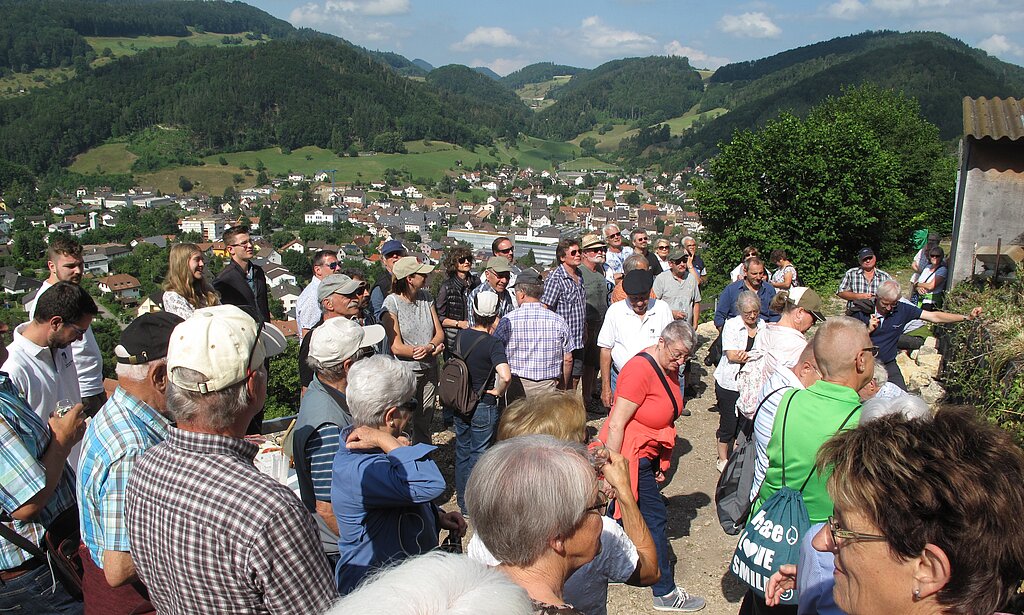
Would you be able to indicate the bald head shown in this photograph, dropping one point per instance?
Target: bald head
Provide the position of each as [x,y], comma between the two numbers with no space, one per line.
[839,349]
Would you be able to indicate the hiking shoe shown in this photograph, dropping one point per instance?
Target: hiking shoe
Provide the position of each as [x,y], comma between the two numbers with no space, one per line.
[685,412]
[678,601]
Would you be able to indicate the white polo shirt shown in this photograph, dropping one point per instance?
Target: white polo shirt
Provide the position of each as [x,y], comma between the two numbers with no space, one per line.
[88,360]
[627,333]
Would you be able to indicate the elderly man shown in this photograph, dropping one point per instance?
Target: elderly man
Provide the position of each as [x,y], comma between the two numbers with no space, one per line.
[209,532]
[753,280]
[629,327]
[632,263]
[307,308]
[504,248]
[595,281]
[537,341]
[679,288]
[37,489]
[334,347]
[64,260]
[497,278]
[617,253]
[890,317]
[862,282]
[565,295]
[340,297]
[390,252]
[134,419]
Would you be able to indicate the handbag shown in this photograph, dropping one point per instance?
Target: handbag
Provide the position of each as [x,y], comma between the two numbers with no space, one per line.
[59,549]
[772,537]
[714,356]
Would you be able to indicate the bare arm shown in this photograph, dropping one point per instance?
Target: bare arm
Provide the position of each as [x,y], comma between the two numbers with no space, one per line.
[326,512]
[946,317]
[606,376]
[849,295]
[566,371]
[504,373]
[67,431]
[438,338]
[398,347]
[696,315]
[621,414]
[616,473]
[930,284]
[118,568]
[786,283]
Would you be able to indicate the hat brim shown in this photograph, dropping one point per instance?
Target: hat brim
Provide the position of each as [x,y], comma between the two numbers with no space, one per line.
[274,341]
[372,335]
[818,316]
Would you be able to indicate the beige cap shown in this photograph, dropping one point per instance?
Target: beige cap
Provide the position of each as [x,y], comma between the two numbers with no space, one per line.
[338,339]
[498,264]
[592,241]
[408,265]
[221,343]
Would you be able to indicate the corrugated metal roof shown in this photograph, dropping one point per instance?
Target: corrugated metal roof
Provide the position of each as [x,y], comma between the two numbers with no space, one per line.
[995,118]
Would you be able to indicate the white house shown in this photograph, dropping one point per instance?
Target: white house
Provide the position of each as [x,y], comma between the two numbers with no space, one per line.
[210,227]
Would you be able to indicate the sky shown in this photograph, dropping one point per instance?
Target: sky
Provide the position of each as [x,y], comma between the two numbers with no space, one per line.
[505,36]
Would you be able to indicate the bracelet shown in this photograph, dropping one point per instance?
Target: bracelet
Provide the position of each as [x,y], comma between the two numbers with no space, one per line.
[433,346]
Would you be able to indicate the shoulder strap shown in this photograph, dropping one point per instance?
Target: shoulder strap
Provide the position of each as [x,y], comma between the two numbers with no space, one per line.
[20,541]
[458,344]
[664,383]
[785,415]
[767,397]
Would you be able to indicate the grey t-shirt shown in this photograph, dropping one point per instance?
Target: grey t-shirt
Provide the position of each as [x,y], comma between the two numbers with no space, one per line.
[415,321]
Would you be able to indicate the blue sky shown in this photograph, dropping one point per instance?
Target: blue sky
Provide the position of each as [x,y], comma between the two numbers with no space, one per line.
[506,35]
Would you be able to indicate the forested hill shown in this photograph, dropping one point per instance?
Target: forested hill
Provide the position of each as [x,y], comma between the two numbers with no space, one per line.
[538,73]
[318,91]
[489,99]
[643,90]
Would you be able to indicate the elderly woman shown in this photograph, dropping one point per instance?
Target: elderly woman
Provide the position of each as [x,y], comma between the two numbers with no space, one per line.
[415,334]
[661,250]
[925,517]
[382,488]
[627,551]
[537,508]
[738,336]
[452,301]
[641,427]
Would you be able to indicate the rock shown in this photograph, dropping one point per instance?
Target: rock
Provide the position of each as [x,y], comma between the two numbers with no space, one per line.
[931,342]
[932,393]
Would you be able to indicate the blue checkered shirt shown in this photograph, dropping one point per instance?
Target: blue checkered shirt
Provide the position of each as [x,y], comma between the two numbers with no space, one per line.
[536,341]
[568,298]
[23,440]
[116,438]
[854,280]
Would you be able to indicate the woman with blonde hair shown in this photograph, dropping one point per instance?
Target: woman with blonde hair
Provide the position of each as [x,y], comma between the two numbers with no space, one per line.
[186,288]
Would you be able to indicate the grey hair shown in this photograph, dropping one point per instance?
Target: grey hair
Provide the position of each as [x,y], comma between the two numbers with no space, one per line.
[747,298]
[889,290]
[688,238]
[457,585]
[535,291]
[604,229]
[909,406]
[217,409]
[633,262]
[679,331]
[333,373]
[550,478]
[881,376]
[375,385]
[138,372]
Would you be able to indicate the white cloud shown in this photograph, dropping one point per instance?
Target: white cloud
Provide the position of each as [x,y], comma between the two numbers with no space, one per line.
[846,9]
[357,21]
[599,38]
[905,6]
[698,59]
[999,45]
[750,25]
[487,37]
[369,7]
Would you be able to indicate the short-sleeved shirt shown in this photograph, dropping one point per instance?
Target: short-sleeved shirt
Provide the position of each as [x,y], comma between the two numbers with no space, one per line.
[734,337]
[680,295]
[488,353]
[614,261]
[536,341]
[567,297]
[780,275]
[890,329]
[115,440]
[415,321]
[854,280]
[506,301]
[640,384]
[307,308]
[627,333]
[598,288]
[86,353]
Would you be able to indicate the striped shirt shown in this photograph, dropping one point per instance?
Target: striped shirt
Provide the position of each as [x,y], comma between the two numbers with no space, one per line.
[567,297]
[23,440]
[212,534]
[536,341]
[321,447]
[115,440]
[855,281]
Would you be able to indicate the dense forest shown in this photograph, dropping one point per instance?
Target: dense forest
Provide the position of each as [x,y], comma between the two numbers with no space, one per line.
[538,73]
[642,90]
[489,99]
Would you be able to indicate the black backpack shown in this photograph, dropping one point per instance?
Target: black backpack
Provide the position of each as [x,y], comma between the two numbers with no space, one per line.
[453,386]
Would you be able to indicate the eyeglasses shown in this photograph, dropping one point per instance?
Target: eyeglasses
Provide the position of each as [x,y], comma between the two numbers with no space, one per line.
[333,265]
[837,533]
[661,248]
[613,235]
[872,349]
[600,507]
[393,255]
[80,331]
[573,252]
[504,275]
[242,244]
[601,250]
[464,260]
[507,250]
[642,239]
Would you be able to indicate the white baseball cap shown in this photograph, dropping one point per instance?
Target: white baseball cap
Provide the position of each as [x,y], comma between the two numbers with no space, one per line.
[221,343]
[486,303]
[338,339]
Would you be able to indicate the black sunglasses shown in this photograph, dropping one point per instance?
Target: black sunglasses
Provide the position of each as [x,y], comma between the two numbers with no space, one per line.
[464,260]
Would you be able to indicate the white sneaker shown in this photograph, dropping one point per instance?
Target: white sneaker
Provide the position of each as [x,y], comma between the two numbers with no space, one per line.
[678,601]
[720,464]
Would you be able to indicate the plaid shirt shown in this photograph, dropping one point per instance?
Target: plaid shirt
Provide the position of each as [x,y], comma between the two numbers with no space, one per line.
[115,440]
[536,341]
[506,301]
[212,534]
[23,440]
[568,298]
[855,281]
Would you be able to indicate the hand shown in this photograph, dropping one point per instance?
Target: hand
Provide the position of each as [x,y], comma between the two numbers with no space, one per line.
[678,315]
[463,324]
[606,395]
[659,477]
[616,474]
[976,312]
[873,324]
[452,521]
[742,357]
[69,429]
[420,352]
[365,438]
[437,349]
[780,582]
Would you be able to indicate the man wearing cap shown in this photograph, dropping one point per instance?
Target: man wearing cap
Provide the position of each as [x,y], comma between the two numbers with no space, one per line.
[209,532]
[307,307]
[617,253]
[679,288]
[504,248]
[537,341]
[339,296]
[753,280]
[629,327]
[497,279]
[862,282]
[565,295]
[334,346]
[134,419]
[595,275]
[390,252]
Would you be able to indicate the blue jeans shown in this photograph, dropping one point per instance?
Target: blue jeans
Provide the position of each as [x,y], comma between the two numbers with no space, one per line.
[472,438]
[33,593]
[655,514]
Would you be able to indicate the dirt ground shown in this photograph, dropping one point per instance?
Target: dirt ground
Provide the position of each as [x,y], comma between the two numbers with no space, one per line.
[702,548]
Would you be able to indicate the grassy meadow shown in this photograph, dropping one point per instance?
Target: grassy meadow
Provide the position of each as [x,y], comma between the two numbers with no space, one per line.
[121,46]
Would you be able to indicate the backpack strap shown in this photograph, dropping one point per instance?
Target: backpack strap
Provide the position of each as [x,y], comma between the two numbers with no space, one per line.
[664,382]
[18,540]
[458,345]
[766,398]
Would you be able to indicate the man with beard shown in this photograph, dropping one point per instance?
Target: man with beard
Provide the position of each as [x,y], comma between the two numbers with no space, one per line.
[496,280]
[595,281]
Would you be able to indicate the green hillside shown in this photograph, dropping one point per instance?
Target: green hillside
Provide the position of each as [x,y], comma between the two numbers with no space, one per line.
[487,97]
[539,73]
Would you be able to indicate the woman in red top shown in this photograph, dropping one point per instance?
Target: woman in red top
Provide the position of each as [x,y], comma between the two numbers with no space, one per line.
[641,426]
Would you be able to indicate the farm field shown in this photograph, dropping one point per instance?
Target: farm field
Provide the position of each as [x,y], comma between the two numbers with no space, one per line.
[679,125]
[532,91]
[121,46]
[108,158]
[587,164]
[13,83]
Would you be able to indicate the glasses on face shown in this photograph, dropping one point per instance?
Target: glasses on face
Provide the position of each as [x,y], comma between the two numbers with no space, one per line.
[661,248]
[242,244]
[507,250]
[464,260]
[751,312]
[332,265]
[504,275]
[642,239]
[573,252]
[80,331]
[872,349]
[839,533]
[889,305]
[601,506]
[613,235]
[678,355]
[596,250]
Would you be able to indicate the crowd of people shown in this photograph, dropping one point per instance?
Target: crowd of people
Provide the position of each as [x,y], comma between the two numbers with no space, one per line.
[910,510]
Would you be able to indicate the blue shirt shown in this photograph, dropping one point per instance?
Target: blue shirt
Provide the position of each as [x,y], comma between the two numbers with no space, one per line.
[567,297]
[726,307]
[815,578]
[890,329]
[115,440]
[383,505]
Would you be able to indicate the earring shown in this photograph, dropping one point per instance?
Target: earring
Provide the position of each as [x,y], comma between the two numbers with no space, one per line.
[917,593]
[391,424]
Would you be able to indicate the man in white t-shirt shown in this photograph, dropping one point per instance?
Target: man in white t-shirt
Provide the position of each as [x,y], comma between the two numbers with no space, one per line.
[65,262]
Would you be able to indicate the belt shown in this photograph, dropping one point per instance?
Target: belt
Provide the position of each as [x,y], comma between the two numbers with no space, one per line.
[27,566]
